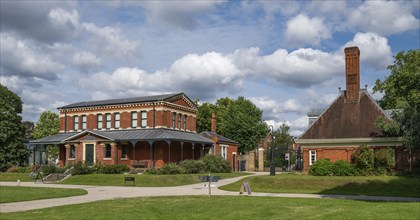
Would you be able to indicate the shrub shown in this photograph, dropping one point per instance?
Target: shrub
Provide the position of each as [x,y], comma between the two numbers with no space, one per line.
[363,160]
[169,169]
[321,167]
[24,169]
[343,168]
[115,169]
[81,168]
[384,160]
[192,166]
[216,164]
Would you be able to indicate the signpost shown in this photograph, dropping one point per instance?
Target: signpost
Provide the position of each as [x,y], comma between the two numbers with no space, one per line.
[209,179]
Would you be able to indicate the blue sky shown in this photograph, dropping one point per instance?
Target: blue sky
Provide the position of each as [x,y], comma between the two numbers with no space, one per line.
[285,56]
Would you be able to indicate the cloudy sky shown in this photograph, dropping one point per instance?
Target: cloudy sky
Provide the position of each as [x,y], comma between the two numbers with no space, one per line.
[285,56]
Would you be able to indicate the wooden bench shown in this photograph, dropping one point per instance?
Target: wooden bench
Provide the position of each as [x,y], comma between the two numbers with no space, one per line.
[129,179]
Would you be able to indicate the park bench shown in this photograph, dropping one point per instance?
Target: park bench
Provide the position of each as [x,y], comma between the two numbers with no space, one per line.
[129,179]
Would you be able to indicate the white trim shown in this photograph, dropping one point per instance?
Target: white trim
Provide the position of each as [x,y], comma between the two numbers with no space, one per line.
[312,153]
[334,142]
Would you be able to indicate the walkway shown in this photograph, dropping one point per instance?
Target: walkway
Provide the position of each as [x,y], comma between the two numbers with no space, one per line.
[96,193]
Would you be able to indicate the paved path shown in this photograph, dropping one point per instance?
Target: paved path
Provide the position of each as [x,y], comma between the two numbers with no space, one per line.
[96,193]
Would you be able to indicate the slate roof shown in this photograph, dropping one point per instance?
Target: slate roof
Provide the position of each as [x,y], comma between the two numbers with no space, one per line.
[141,99]
[128,135]
[344,119]
[221,139]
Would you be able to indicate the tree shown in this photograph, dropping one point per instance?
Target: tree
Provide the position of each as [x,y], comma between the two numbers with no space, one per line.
[12,150]
[47,125]
[402,94]
[240,120]
[204,117]
[29,129]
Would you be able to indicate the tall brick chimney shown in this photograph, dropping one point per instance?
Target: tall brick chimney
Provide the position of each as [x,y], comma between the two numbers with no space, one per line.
[352,73]
[213,122]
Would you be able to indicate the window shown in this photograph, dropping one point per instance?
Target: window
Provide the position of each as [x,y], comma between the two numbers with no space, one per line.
[76,123]
[173,119]
[108,120]
[224,151]
[143,119]
[185,122]
[124,151]
[134,119]
[116,120]
[72,151]
[83,122]
[99,121]
[179,121]
[107,151]
[312,157]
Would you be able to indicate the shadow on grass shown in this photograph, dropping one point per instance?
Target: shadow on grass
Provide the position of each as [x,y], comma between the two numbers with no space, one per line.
[401,187]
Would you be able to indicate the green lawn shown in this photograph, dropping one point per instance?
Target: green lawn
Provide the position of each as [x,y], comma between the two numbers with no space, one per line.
[13,177]
[142,180]
[372,185]
[226,207]
[21,193]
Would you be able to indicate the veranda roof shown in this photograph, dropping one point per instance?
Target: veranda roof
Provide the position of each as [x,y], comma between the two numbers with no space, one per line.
[128,135]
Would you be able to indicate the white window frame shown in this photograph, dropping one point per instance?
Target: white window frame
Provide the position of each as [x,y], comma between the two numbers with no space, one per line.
[134,119]
[224,151]
[108,120]
[84,122]
[143,122]
[312,153]
[99,120]
[117,120]
[76,123]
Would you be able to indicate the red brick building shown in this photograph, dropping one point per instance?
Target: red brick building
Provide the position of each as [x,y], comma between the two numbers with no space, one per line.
[151,130]
[348,123]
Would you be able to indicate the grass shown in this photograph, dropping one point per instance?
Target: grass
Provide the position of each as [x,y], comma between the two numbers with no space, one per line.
[13,177]
[145,180]
[225,207]
[372,185]
[21,193]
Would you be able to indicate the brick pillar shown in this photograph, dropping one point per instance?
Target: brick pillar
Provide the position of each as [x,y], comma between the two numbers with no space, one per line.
[352,73]
[260,159]
[251,161]
[114,153]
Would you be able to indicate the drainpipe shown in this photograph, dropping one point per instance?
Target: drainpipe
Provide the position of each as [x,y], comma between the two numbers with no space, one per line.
[65,121]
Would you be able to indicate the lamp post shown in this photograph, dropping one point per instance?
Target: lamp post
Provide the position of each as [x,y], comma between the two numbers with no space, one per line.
[272,166]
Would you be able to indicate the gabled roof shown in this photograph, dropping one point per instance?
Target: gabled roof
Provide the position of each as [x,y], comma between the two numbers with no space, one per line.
[347,119]
[142,99]
[221,139]
[160,134]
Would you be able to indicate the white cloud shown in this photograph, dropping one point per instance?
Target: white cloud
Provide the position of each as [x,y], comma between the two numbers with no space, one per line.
[302,30]
[85,59]
[374,49]
[25,58]
[62,17]
[383,17]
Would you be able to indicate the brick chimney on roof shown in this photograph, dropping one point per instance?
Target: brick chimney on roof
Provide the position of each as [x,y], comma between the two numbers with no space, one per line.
[352,73]
[213,122]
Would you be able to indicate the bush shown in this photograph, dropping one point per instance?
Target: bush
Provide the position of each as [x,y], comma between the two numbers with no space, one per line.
[192,166]
[216,164]
[169,169]
[363,159]
[321,167]
[27,169]
[82,168]
[343,168]
[115,169]
[384,161]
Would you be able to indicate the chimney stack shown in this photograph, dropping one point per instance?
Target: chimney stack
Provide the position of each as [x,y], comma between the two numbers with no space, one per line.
[352,73]
[213,122]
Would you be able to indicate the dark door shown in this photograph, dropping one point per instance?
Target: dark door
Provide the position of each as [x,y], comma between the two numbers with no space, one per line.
[89,154]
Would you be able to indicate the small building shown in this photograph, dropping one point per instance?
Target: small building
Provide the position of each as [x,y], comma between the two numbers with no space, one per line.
[151,129]
[223,146]
[348,123]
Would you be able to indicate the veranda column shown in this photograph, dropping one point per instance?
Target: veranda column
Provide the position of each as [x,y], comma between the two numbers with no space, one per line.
[115,150]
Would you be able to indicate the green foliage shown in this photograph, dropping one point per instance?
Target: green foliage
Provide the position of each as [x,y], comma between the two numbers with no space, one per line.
[384,160]
[363,159]
[322,167]
[388,128]
[192,166]
[47,169]
[343,168]
[81,168]
[29,129]
[47,125]
[12,131]
[169,169]
[238,119]
[111,169]
[216,164]
[401,92]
